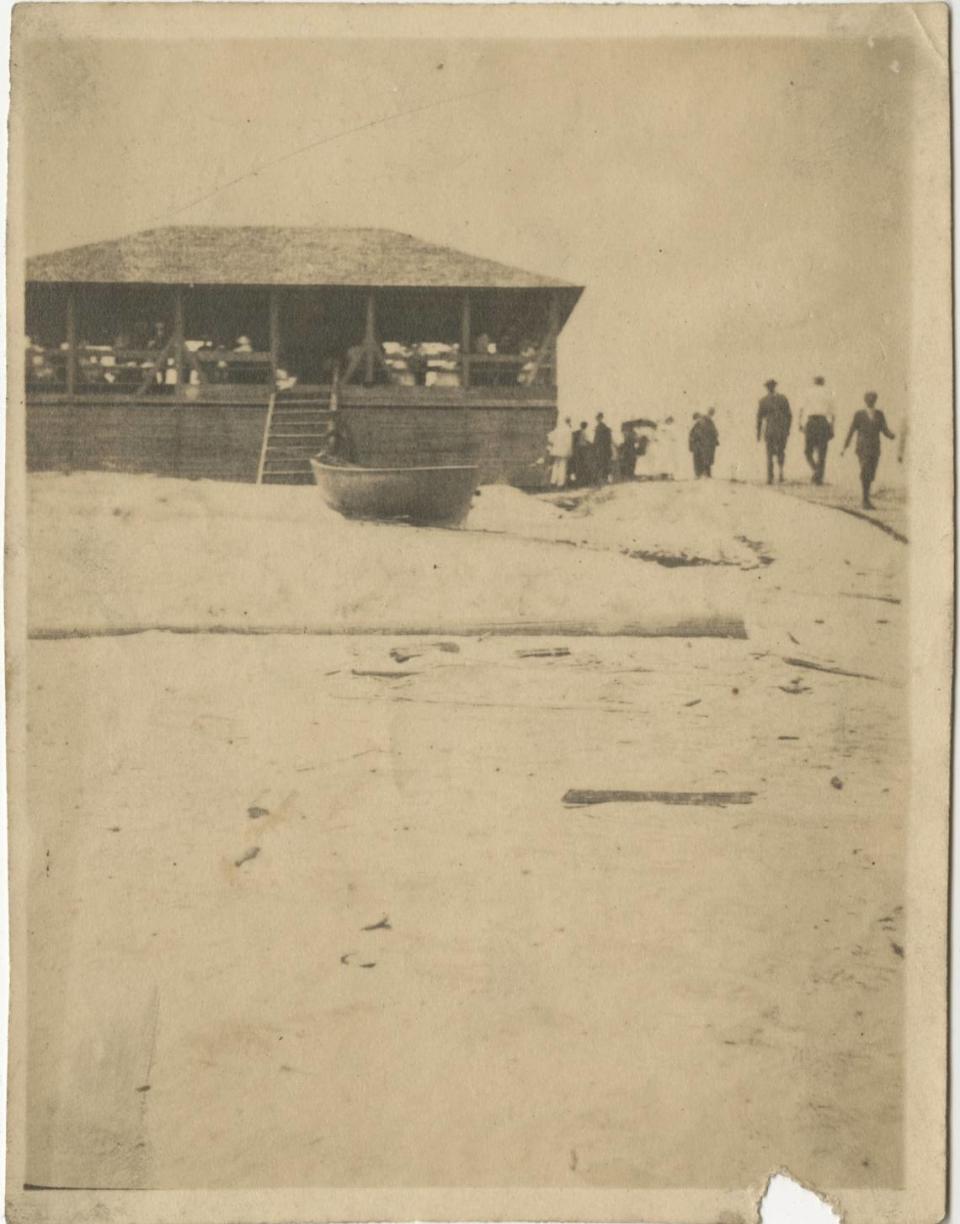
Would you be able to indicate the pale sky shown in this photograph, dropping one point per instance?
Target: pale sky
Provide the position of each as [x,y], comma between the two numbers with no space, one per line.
[737,209]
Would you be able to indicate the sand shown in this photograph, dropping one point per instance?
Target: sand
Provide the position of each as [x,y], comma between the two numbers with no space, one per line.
[311,910]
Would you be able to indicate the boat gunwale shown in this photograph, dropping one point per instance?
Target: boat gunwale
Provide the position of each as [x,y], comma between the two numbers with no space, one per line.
[356,469]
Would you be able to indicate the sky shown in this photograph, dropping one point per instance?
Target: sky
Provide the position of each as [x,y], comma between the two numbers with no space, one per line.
[736,208]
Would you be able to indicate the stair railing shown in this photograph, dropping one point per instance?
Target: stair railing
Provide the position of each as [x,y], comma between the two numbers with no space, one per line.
[265,444]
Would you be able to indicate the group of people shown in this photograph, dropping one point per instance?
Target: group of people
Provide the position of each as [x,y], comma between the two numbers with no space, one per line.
[439,363]
[587,456]
[581,457]
[816,422]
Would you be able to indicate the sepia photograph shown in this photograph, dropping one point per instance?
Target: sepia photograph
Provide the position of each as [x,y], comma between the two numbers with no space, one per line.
[479,587]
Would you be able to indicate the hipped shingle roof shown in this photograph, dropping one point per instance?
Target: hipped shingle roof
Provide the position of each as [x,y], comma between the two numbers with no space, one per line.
[276,255]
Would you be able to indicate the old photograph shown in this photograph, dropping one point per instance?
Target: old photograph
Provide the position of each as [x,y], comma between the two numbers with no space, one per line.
[479,570]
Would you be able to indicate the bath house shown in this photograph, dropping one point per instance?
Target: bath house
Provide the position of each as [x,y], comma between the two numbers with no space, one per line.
[200,351]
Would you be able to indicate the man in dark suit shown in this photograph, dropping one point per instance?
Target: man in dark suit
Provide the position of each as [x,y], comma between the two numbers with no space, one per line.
[602,450]
[868,424]
[773,423]
[704,441]
[580,462]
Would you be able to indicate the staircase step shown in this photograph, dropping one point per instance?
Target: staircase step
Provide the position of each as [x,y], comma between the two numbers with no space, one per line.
[297,431]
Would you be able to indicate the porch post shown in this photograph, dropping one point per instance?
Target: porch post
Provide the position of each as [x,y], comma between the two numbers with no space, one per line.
[369,338]
[275,331]
[465,340]
[71,339]
[554,335]
[178,338]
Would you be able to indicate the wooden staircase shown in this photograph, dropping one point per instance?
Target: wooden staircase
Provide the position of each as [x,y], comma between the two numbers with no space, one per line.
[294,430]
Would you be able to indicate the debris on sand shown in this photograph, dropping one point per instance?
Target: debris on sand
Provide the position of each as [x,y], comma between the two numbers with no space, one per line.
[347,959]
[247,856]
[402,656]
[585,798]
[673,560]
[384,675]
[382,925]
[833,671]
[696,701]
[758,548]
[550,652]
[255,812]
[836,783]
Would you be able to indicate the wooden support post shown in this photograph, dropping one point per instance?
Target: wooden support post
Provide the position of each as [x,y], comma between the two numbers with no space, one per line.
[369,338]
[179,344]
[275,332]
[554,335]
[465,340]
[547,352]
[71,338]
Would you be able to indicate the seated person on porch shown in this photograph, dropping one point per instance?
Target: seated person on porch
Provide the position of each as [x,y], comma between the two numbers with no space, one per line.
[158,338]
[443,364]
[40,369]
[398,357]
[528,366]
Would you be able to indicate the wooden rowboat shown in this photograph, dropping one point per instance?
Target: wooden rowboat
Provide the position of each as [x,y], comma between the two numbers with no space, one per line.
[416,494]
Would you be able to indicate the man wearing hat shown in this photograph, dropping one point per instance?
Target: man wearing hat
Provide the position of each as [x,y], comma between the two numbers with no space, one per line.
[868,424]
[773,422]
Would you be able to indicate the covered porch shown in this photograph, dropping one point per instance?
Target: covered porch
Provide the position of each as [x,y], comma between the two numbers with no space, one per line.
[221,342]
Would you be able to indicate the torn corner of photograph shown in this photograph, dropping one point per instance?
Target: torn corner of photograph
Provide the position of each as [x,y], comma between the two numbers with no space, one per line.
[479,551]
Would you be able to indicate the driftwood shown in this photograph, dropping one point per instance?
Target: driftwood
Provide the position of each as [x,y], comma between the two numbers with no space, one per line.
[384,675]
[833,671]
[584,798]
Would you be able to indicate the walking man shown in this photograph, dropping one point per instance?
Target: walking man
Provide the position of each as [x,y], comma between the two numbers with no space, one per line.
[602,450]
[773,422]
[868,424]
[560,444]
[820,412]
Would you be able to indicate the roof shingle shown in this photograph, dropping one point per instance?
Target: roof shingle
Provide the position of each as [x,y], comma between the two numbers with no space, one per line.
[276,255]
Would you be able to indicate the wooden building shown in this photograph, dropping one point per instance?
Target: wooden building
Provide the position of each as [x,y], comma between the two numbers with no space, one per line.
[212,352]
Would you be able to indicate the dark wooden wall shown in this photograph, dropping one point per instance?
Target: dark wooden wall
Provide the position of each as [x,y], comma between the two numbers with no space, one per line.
[221,441]
[505,442]
[216,441]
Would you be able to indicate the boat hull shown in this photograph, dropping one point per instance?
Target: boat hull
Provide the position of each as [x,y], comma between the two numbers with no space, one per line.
[437,495]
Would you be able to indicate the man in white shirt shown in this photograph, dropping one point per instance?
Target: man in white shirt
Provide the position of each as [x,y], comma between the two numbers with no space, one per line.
[818,412]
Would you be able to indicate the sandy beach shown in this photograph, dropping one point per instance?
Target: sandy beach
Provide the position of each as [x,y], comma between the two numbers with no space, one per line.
[346,961]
